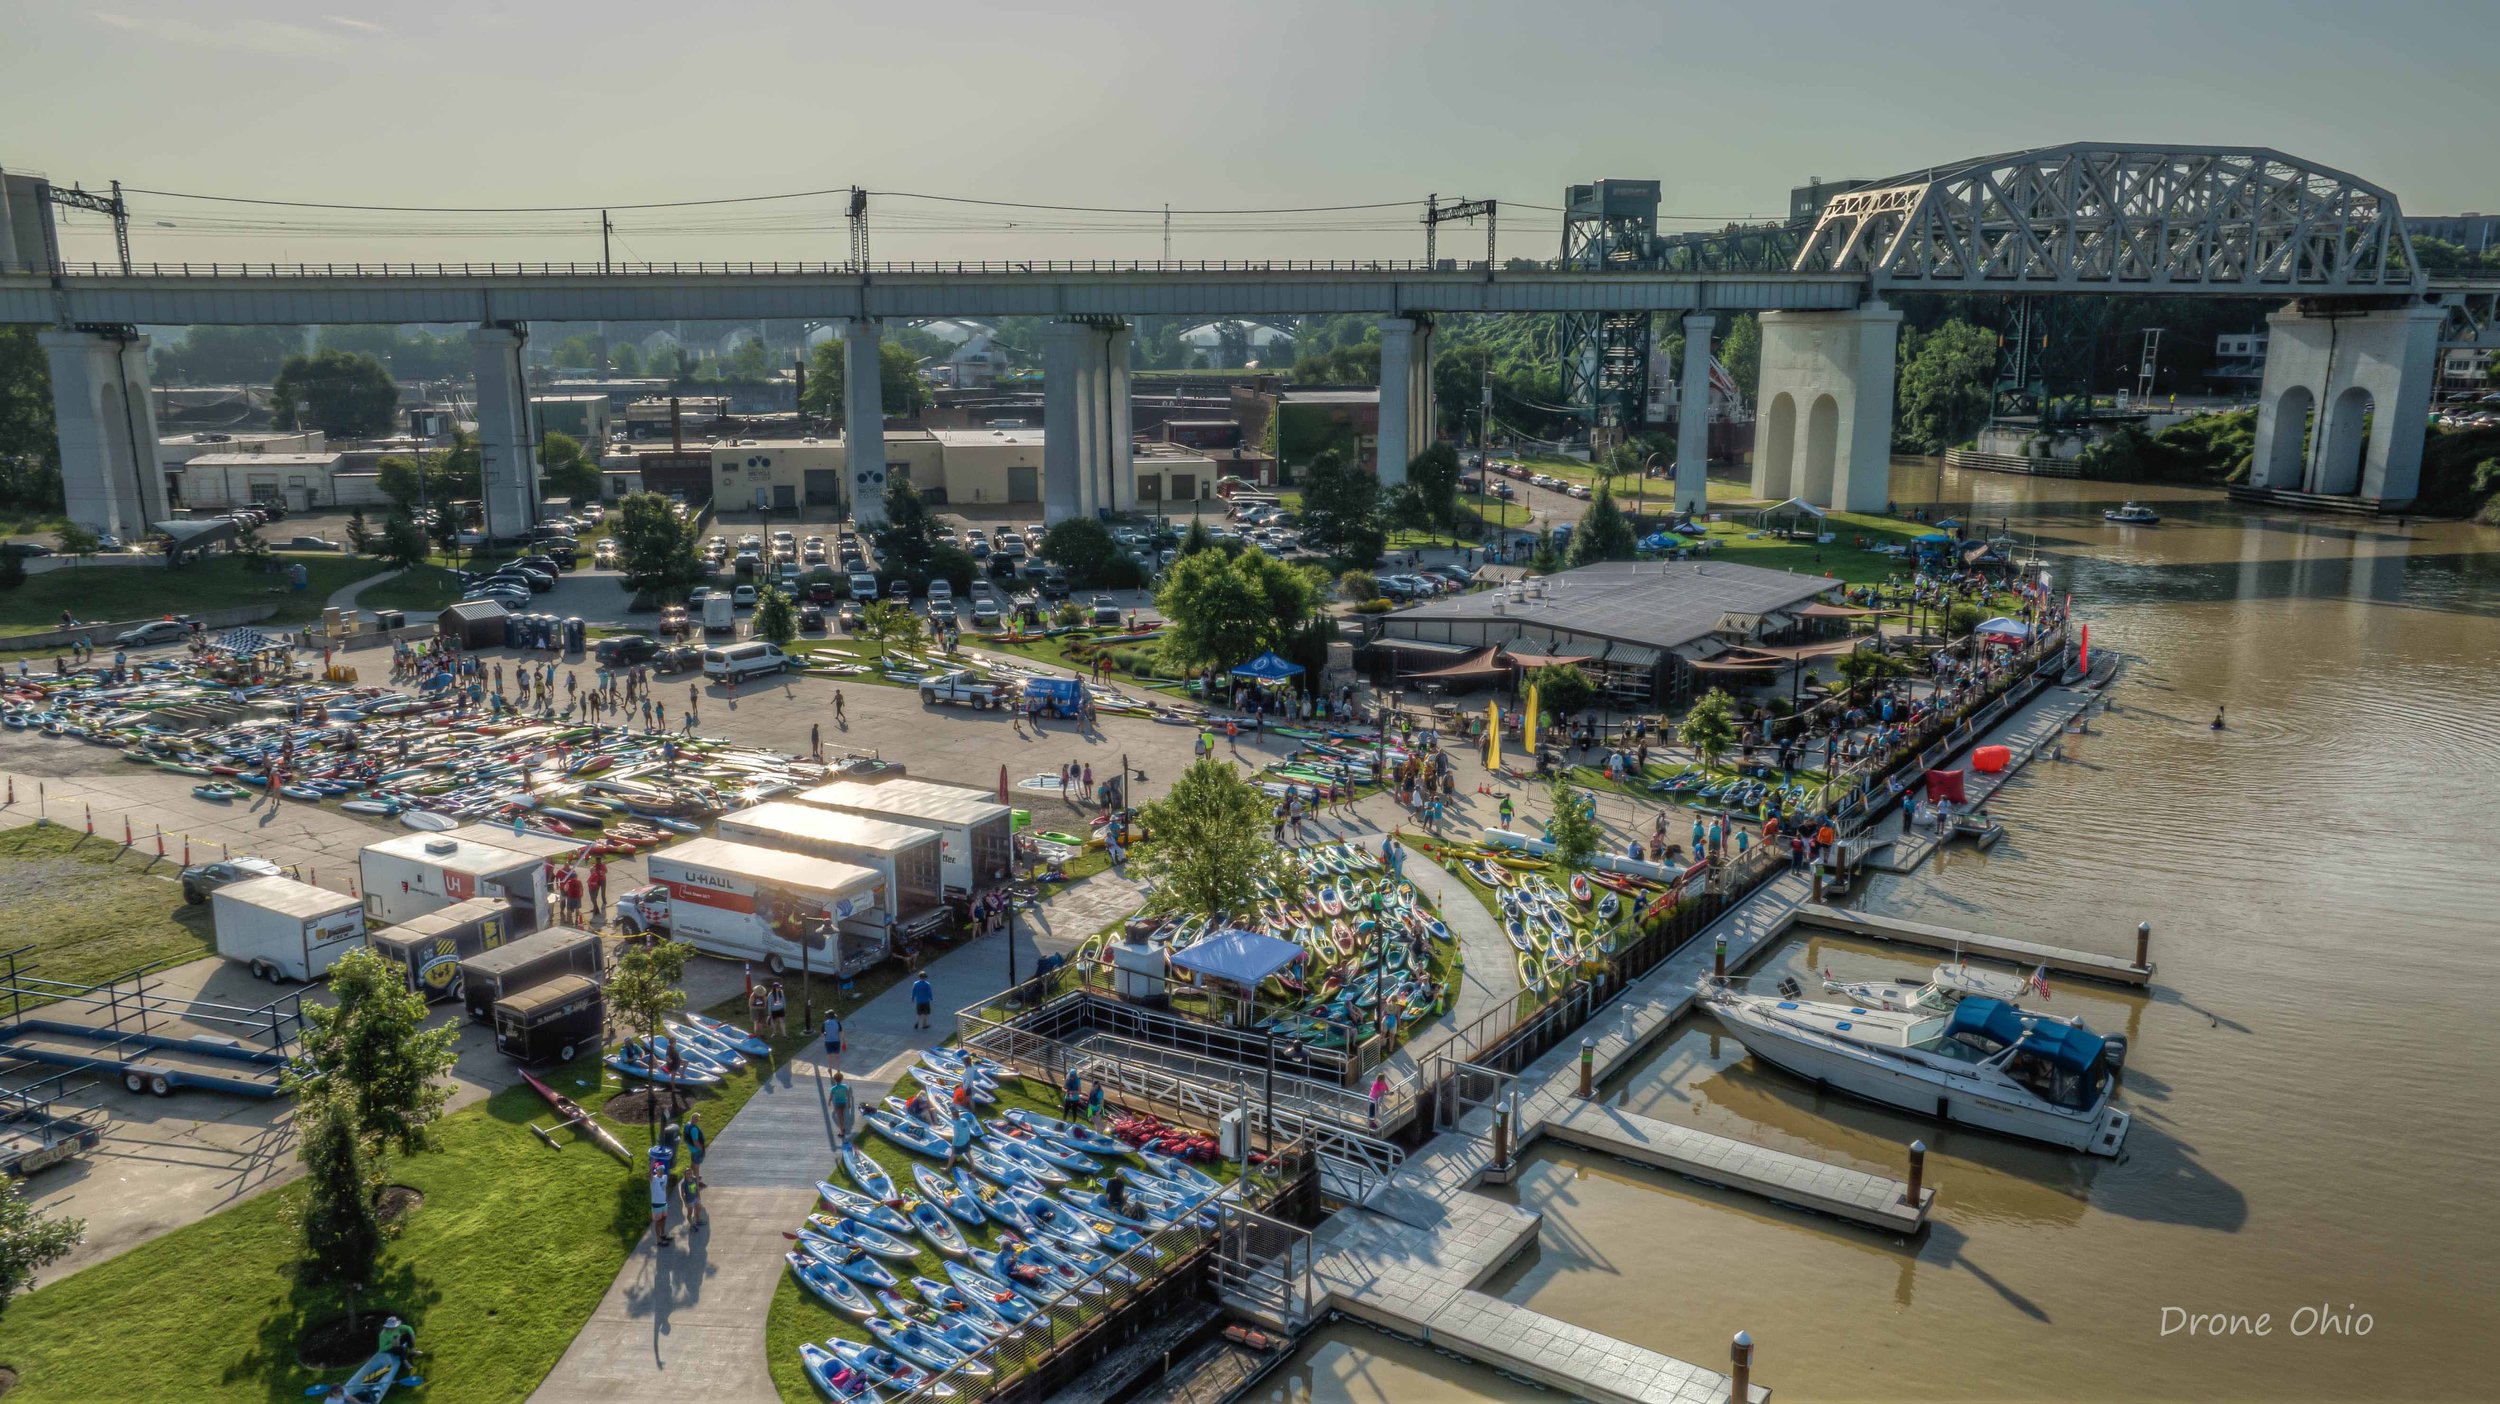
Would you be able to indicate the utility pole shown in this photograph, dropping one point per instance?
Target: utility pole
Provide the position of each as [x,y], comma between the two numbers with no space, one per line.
[1167,231]
[1435,213]
[605,229]
[859,229]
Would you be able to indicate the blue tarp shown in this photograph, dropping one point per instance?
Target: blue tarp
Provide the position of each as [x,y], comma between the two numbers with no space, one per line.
[1269,667]
[1065,693]
[2068,1046]
[1242,957]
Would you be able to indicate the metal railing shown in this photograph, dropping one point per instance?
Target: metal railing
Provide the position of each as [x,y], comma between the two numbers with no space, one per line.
[1262,1266]
[1012,267]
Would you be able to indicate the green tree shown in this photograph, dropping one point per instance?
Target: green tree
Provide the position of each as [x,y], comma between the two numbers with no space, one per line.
[1358,586]
[907,544]
[901,390]
[1740,352]
[657,551]
[1709,728]
[566,469]
[1225,609]
[346,393]
[1194,540]
[12,570]
[1083,546]
[443,527]
[644,989]
[1605,534]
[227,355]
[386,1072]
[342,1230]
[1945,381]
[1963,618]
[1434,474]
[1564,689]
[78,541]
[1863,670]
[402,542]
[30,449]
[891,624]
[1573,831]
[29,1239]
[1210,846]
[748,363]
[359,533]
[775,619]
[1544,560]
[1341,511]
[624,358]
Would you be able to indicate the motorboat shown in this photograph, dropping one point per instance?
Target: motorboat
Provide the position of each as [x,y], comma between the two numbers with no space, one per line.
[2133,514]
[1944,987]
[1985,1063]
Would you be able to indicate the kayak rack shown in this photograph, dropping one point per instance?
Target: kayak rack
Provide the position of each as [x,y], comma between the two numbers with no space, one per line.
[127,1028]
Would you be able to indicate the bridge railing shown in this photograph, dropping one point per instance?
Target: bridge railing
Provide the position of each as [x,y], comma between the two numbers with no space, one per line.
[1010,267]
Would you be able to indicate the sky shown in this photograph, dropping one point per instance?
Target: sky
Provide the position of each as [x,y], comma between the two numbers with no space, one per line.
[1124,106]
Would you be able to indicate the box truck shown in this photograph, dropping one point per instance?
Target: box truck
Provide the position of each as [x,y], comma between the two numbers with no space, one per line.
[904,858]
[407,877]
[525,964]
[430,948]
[787,910]
[283,929]
[974,830]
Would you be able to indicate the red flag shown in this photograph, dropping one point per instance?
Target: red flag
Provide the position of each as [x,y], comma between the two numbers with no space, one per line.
[2083,652]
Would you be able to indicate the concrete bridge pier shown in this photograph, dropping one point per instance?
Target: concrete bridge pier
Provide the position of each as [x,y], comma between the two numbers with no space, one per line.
[1825,427]
[1087,447]
[106,418]
[1692,417]
[2342,408]
[863,418]
[1407,426]
[506,444]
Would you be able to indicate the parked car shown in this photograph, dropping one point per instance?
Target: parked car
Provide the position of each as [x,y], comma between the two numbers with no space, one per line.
[201,879]
[1106,610]
[959,687]
[742,597]
[625,650]
[677,658]
[812,616]
[738,662]
[155,631]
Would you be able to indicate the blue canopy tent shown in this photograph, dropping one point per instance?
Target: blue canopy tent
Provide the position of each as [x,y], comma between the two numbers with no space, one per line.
[1240,958]
[1267,667]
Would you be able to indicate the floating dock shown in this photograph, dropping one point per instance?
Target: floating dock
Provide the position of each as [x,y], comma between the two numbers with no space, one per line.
[1795,1180]
[2089,965]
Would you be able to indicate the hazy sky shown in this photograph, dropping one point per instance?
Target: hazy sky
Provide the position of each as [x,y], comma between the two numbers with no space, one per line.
[1208,107]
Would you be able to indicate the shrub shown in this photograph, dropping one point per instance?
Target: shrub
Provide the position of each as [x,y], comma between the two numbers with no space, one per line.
[1376,606]
[1358,585]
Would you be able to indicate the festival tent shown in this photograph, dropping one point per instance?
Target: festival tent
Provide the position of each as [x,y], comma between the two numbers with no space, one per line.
[1238,958]
[1267,667]
[2003,627]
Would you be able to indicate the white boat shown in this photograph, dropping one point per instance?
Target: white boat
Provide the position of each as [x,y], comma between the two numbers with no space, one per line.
[1944,987]
[2133,514]
[1985,1063]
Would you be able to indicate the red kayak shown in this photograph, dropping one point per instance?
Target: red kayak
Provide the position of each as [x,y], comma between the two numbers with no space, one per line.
[571,1111]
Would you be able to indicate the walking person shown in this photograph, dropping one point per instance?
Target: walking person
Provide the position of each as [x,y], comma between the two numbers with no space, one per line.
[690,1197]
[1379,1089]
[921,996]
[778,1007]
[840,1096]
[659,1202]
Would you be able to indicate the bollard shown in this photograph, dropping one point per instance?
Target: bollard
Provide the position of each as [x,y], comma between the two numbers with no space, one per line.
[12,789]
[126,840]
[160,840]
[91,821]
[1588,1066]
[1718,961]
[1918,1171]
[2143,944]
[1818,882]
[1501,1136]
[1740,1379]
[186,850]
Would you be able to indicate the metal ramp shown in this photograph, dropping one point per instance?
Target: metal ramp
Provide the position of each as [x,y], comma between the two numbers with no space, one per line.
[1262,1269]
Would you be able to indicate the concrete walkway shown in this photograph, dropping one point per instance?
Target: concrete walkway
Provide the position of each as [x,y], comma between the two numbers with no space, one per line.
[690,1318]
[1489,978]
[346,595]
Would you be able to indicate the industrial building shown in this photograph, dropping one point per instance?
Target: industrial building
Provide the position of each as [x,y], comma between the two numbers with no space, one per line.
[1636,627]
[950,467]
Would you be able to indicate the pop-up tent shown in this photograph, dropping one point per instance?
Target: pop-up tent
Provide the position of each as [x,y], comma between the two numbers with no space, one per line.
[1267,667]
[2004,628]
[1238,958]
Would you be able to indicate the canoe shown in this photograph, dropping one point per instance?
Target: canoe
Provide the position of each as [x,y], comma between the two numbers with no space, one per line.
[829,1285]
[589,1125]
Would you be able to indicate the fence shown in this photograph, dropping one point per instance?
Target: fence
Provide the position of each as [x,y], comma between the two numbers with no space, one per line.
[753,269]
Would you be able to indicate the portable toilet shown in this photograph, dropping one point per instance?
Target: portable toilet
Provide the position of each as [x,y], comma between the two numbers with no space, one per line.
[574,631]
[511,630]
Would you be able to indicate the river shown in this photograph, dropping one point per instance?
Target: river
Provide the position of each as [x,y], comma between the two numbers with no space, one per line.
[2314,1139]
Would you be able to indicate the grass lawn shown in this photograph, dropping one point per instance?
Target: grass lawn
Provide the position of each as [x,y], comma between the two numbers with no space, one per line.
[140,592]
[123,917]
[418,589]
[31,523]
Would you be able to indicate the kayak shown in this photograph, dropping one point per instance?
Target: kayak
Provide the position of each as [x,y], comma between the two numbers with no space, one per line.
[1058,1220]
[1056,1279]
[846,1383]
[998,1316]
[999,1170]
[959,1196]
[908,1134]
[1006,1301]
[730,1034]
[589,1125]
[970,1334]
[887,1368]
[922,1346]
[633,1064]
[830,1286]
[933,1226]
[1083,1138]
[1036,1145]
[375,1378]
[867,1173]
[862,1208]
[853,1263]
[859,1235]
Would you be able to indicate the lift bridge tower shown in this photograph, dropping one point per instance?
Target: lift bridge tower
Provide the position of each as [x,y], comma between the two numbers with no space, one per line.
[1605,355]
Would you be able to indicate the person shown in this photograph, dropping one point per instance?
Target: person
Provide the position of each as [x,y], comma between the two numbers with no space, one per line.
[2218,717]
[659,1204]
[961,1099]
[840,717]
[696,1141]
[1379,1089]
[690,1190]
[778,1005]
[921,996]
[1093,1103]
[759,1009]
[400,1340]
[816,740]
[1115,1195]
[840,1094]
[958,1139]
[1506,811]
[1070,1098]
[833,1039]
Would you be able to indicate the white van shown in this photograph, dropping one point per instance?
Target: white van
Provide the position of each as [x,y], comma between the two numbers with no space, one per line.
[739,662]
[719,613]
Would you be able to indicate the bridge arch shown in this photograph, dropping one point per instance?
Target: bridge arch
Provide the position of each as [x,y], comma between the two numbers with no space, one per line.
[2287,457]
[2345,439]
[1822,451]
[1775,454]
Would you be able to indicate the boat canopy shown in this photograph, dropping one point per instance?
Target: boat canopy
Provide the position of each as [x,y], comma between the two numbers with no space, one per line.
[2070,1047]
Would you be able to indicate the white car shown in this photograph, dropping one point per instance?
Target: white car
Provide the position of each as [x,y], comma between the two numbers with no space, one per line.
[742,598]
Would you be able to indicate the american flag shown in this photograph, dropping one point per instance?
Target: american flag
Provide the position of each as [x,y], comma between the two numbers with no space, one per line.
[2040,982]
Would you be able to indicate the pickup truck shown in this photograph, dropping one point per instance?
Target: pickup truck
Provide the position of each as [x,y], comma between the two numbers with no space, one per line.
[959,687]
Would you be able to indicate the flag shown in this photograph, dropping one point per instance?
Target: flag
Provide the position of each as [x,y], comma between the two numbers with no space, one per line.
[1493,735]
[1527,723]
[2083,652]
[2040,982]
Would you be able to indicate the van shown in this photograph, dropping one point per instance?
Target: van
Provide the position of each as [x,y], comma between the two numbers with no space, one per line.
[739,662]
[720,613]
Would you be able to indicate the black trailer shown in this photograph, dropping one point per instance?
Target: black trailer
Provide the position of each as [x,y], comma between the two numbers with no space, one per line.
[554,1020]
[519,965]
[431,947]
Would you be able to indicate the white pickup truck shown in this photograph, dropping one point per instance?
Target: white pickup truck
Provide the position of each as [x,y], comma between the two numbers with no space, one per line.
[959,687]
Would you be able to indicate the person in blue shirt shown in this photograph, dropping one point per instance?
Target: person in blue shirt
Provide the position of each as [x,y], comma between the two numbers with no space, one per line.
[921,995]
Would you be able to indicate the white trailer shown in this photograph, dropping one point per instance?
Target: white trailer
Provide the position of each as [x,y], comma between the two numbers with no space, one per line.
[788,910]
[903,856]
[975,832]
[283,929]
[417,873]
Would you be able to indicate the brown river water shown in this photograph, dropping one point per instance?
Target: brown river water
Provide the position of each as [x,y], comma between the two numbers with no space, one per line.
[2312,1074]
